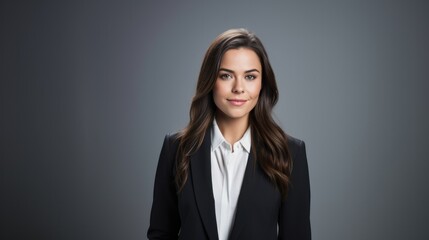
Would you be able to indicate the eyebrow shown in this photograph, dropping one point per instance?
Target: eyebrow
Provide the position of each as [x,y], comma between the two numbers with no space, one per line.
[231,71]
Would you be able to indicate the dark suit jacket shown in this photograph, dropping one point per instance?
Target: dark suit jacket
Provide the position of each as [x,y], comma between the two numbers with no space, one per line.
[261,214]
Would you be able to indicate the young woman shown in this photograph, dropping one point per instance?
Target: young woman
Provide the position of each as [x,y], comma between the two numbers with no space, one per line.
[232,173]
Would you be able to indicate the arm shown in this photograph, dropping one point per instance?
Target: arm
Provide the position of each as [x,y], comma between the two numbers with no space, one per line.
[294,216]
[164,219]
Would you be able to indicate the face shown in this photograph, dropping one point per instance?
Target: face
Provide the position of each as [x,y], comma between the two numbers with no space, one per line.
[238,84]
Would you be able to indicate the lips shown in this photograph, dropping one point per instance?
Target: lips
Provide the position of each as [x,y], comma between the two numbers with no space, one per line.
[237,102]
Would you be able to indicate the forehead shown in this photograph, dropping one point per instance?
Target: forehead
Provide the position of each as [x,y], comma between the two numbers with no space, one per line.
[241,58]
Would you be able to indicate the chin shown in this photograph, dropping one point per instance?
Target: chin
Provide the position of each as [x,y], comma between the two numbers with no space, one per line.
[235,116]
[232,114]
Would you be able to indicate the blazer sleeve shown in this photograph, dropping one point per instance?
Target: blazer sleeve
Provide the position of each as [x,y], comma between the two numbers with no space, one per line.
[294,216]
[164,218]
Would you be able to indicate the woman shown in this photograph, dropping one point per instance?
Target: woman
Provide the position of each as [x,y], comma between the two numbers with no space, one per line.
[232,173]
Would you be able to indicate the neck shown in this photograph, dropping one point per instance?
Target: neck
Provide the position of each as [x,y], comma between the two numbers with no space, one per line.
[232,129]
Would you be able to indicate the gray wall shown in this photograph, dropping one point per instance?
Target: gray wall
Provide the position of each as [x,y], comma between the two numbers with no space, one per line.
[88,91]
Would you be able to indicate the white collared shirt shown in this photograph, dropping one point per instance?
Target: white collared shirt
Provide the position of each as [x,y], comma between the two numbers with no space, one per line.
[227,170]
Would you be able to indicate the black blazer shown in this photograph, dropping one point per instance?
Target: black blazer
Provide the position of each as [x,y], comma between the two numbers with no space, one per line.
[260,213]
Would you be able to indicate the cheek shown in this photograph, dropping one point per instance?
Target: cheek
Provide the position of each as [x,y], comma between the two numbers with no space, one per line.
[217,92]
[218,89]
[255,90]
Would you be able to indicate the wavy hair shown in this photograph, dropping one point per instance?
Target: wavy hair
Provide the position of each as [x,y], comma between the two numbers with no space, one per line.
[269,142]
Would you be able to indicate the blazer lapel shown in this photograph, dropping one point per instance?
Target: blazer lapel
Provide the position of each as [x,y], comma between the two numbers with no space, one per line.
[244,203]
[203,190]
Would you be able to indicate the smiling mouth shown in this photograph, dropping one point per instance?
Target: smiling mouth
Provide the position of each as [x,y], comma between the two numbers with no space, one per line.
[237,102]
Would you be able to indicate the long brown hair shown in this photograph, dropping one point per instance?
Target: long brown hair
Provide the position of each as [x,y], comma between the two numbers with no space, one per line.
[269,142]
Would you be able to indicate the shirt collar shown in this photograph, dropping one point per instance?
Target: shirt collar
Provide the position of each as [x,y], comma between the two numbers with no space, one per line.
[218,139]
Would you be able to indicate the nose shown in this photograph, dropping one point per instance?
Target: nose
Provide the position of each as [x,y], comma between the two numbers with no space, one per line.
[238,86]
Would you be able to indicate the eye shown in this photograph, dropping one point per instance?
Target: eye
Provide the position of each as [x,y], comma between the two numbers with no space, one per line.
[225,76]
[250,77]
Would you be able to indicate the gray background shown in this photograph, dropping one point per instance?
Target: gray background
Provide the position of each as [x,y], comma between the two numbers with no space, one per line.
[88,91]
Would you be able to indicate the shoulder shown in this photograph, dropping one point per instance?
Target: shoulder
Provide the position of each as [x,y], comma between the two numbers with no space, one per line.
[293,140]
[298,153]
[168,153]
[172,138]
[171,143]
[295,145]
[299,159]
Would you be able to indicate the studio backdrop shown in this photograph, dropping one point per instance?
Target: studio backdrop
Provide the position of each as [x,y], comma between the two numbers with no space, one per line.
[90,88]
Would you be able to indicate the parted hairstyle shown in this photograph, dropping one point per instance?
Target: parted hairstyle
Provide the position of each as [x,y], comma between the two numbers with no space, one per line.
[269,142]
